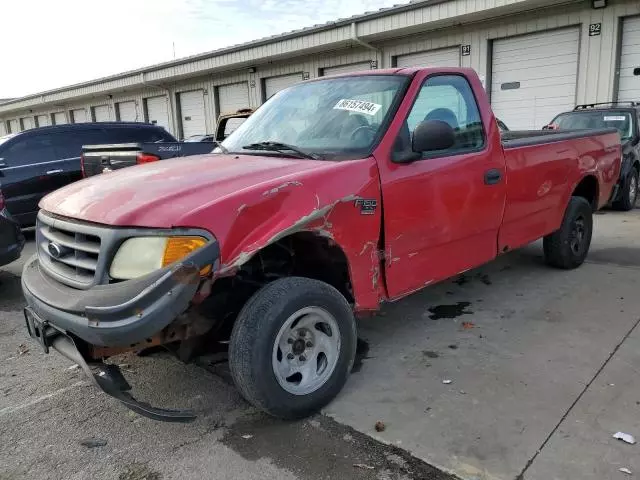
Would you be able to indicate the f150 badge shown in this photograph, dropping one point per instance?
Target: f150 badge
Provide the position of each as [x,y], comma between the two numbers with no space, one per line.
[367,206]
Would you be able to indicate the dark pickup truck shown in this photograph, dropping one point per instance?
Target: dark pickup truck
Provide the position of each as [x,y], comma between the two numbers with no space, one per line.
[106,158]
[623,116]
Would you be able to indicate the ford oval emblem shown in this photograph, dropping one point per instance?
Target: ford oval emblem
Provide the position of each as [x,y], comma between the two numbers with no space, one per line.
[54,250]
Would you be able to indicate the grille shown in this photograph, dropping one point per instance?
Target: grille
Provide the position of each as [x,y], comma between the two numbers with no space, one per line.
[68,251]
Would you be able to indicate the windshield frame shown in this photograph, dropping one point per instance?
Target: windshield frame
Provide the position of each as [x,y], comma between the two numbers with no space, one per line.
[604,111]
[382,130]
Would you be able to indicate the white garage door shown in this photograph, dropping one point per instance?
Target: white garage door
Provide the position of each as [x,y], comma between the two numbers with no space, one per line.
[79,115]
[340,69]
[273,85]
[27,123]
[445,57]
[101,113]
[158,111]
[13,126]
[43,120]
[59,118]
[534,77]
[233,97]
[629,86]
[192,113]
[127,111]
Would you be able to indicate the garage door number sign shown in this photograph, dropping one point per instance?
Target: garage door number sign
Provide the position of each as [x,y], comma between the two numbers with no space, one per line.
[595,29]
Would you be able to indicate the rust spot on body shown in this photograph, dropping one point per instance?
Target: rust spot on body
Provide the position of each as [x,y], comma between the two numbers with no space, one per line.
[275,190]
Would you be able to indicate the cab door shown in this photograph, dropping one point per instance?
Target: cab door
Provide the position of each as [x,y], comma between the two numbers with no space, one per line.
[442,211]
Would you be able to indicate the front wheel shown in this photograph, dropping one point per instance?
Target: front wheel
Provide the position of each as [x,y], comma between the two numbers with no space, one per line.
[629,193]
[292,347]
[568,246]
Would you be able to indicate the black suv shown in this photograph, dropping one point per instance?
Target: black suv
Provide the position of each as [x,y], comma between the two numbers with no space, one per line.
[36,162]
[625,117]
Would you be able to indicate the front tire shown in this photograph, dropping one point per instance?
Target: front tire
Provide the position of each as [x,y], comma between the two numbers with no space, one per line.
[292,347]
[629,193]
[568,246]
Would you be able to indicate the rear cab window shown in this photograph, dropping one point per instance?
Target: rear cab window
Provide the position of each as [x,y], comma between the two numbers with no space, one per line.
[135,135]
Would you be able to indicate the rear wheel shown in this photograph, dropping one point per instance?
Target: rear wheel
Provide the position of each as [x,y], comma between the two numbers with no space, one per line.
[568,246]
[629,193]
[292,347]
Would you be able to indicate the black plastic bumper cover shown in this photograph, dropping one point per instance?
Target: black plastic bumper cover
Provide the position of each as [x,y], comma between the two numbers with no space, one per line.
[119,314]
[112,315]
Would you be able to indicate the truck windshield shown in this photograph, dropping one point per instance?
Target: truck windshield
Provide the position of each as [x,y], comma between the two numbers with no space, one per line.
[333,119]
[593,119]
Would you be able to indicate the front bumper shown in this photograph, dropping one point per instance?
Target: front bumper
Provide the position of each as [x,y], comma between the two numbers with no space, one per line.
[115,315]
[118,314]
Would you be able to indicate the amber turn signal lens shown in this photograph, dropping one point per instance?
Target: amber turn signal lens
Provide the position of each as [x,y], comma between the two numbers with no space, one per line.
[179,247]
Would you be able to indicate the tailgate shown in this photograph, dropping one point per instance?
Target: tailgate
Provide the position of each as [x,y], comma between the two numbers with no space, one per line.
[105,158]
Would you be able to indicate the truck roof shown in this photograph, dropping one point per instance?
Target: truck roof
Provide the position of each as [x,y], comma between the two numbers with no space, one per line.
[405,71]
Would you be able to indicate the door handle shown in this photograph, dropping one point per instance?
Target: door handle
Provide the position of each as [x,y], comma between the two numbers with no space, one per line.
[51,172]
[492,177]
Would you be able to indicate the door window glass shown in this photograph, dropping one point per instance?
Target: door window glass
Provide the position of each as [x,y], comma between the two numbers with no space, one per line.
[450,99]
[33,149]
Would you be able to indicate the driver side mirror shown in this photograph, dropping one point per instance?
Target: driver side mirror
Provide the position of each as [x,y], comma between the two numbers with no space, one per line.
[429,136]
[432,135]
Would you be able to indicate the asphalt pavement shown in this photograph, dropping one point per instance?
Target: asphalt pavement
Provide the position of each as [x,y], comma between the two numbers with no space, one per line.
[511,371]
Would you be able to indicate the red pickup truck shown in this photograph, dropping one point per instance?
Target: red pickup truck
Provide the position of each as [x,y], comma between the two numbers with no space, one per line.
[337,195]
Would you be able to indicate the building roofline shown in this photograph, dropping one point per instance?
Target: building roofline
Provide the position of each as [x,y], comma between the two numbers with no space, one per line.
[413,4]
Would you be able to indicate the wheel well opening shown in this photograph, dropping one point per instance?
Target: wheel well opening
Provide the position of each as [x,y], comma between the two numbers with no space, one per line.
[588,189]
[302,254]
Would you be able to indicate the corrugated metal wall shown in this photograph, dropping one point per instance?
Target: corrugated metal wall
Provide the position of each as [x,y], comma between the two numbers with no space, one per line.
[392,35]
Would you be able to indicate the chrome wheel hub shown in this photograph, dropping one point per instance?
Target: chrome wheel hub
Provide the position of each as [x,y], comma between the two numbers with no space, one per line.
[306,350]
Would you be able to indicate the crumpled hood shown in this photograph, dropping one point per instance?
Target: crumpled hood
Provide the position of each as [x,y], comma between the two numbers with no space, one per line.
[162,194]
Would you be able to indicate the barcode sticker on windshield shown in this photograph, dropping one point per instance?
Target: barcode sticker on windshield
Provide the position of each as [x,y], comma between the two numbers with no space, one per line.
[359,106]
[615,119]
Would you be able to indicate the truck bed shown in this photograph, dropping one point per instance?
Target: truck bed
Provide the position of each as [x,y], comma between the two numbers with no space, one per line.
[522,138]
[97,159]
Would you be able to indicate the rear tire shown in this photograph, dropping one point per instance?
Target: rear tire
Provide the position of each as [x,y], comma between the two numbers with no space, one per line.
[568,246]
[629,193]
[292,347]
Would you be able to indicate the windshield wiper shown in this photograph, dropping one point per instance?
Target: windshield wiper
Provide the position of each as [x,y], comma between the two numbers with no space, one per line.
[281,147]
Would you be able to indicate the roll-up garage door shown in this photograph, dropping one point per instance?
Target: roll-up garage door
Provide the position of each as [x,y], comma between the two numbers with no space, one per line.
[101,113]
[127,112]
[444,57]
[352,67]
[273,85]
[192,114]
[13,126]
[158,111]
[629,83]
[534,77]
[59,118]
[79,115]
[233,97]
[43,120]
[27,123]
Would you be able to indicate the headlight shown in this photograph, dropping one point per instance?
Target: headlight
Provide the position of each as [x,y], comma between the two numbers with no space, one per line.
[141,255]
